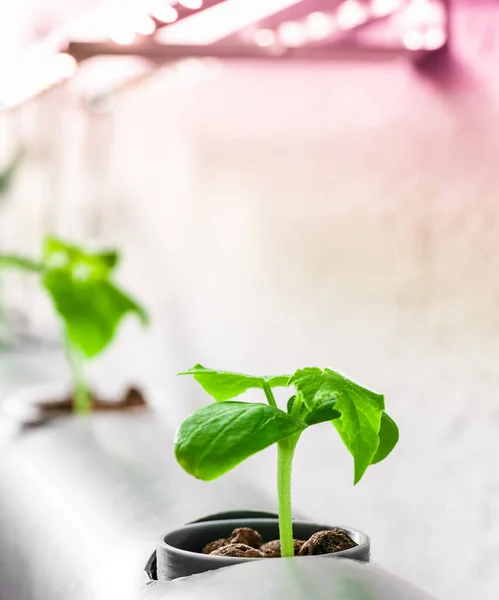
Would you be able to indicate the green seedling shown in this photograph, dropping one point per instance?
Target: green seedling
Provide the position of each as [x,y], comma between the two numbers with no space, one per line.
[216,438]
[89,304]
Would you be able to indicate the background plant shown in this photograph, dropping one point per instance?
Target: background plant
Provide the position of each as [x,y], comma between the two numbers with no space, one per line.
[216,438]
[89,303]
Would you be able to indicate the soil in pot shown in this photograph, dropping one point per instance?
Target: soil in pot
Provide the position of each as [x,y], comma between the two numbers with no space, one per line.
[179,553]
[245,542]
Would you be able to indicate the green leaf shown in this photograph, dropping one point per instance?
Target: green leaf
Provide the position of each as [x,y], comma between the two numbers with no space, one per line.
[360,408]
[388,438]
[8,174]
[313,385]
[224,385]
[91,306]
[217,437]
[58,254]
[12,261]
[323,411]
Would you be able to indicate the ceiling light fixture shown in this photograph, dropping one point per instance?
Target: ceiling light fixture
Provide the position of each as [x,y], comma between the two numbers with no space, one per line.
[319,26]
[292,34]
[264,38]
[145,26]
[351,13]
[192,4]
[123,37]
[164,12]
[384,8]
[220,21]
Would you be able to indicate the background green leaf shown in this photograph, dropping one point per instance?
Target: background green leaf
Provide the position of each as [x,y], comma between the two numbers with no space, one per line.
[388,438]
[90,305]
[217,437]
[224,385]
[12,261]
[8,174]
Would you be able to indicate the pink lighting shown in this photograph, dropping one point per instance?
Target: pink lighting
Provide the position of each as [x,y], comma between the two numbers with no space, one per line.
[351,14]
[35,72]
[145,26]
[192,4]
[425,12]
[383,8]
[123,37]
[434,38]
[264,38]
[219,21]
[63,65]
[164,12]
[423,25]
[414,40]
[319,26]
[292,34]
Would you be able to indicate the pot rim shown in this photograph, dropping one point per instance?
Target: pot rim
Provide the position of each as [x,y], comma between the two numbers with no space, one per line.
[363,542]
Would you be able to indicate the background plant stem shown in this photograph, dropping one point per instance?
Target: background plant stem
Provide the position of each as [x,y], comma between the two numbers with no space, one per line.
[82,402]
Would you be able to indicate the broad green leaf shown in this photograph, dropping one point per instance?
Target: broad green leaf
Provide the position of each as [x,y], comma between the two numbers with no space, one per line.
[58,254]
[217,437]
[12,261]
[323,411]
[360,408]
[90,305]
[224,385]
[388,438]
[313,385]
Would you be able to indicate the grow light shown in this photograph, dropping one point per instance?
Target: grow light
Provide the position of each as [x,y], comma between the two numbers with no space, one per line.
[167,30]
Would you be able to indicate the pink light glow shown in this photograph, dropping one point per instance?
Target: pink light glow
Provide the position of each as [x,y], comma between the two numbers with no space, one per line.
[292,34]
[63,65]
[414,40]
[124,37]
[383,8]
[221,20]
[319,26]
[164,12]
[37,70]
[351,14]
[192,4]
[264,38]
[422,25]
[425,12]
[145,26]
[434,38]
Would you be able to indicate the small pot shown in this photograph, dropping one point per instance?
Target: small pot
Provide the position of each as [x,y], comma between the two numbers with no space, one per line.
[178,553]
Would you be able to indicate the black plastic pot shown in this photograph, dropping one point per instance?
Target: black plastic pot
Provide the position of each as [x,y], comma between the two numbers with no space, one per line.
[178,553]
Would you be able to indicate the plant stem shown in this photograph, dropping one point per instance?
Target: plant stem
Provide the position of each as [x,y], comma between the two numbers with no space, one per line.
[82,402]
[285,452]
[268,393]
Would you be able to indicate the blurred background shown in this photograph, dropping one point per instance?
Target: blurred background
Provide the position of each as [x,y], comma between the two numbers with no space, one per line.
[278,210]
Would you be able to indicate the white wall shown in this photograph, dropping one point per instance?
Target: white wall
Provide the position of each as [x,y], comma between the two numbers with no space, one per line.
[343,215]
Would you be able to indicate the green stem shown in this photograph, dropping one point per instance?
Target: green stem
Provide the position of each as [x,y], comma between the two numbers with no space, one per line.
[82,401]
[285,452]
[269,394]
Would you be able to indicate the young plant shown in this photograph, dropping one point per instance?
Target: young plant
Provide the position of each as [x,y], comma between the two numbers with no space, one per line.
[90,305]
[217,437]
